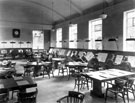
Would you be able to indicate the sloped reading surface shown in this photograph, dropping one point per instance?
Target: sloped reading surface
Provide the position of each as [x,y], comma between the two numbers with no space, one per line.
[102,57]
[118,59]
[18,78]
[23,82]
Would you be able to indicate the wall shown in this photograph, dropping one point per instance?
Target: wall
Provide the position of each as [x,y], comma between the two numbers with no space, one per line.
[24,16]
[25,36]
[112,26]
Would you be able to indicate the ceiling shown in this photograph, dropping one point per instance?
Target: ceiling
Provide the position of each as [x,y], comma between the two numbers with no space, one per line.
[48,11]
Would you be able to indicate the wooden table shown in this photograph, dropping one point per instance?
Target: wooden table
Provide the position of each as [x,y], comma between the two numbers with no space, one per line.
[56,60]
[6,71]
[105,75]
[77,65]
[37,66]
[16,83]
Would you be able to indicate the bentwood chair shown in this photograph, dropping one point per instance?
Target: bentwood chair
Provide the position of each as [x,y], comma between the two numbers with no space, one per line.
[27,70]
[4,95]
[62,68]
[72,97]
[118,89]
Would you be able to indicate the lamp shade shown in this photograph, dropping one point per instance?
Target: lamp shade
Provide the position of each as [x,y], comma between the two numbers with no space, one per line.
[12,42]
[103,16]
[98,40]
[20,42]
[87,40]
[130,39]
[112,39]
[3,42]
[28,42]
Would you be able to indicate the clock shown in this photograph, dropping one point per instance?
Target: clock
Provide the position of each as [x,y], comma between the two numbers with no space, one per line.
[16,33]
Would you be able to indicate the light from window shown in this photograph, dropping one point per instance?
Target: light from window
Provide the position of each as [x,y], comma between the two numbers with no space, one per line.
[59,37]
[95,34]
[129,30]
[73,36]
[38,39]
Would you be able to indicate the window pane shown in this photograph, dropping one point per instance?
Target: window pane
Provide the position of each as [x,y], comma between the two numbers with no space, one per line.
[129,30]
[95,33]
[59,37]
[73,36]
[38,39]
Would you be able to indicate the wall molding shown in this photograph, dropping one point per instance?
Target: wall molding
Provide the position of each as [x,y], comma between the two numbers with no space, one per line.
[13,24]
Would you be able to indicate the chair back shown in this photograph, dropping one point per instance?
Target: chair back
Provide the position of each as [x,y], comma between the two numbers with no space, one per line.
[75,97]
[3,95]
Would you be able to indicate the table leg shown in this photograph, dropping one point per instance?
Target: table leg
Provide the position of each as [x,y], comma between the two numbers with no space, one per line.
[97,88]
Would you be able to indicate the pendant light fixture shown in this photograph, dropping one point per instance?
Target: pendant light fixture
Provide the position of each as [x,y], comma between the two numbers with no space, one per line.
[53,27]
[103,15]
[70,23]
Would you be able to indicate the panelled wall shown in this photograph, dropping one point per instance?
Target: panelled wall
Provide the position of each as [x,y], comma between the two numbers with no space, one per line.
[112,27]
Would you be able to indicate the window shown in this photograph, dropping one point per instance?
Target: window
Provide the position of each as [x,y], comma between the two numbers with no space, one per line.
[73,36]
[95,34]
[129,30]
[38,39]
[59,37]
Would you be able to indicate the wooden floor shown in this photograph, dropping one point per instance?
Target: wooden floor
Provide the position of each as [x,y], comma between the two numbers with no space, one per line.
[50,90]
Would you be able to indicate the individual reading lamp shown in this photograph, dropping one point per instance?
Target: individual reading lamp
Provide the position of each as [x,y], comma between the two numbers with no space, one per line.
[53,26]
[98,40]
[3,43]
[103,15]
[71,41]
[20,43]
[12,42]
[114,40]
[87,40]
[130,39]
[28,42]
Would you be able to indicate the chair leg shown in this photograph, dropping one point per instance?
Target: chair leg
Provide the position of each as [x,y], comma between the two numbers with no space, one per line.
[124,98]
[127,96]
[106,95]
[52,73]
[87,84]
[58,71]
[116,97]
[43,74]
[133,91]
[75,83]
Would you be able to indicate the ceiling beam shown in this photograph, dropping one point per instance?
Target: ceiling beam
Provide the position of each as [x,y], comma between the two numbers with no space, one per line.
[75,7]
[44,6]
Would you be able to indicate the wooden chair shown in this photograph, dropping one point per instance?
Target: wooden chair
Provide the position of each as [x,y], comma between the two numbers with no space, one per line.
[27,70]
[28,95]
[62,68]
[72,97]
[4,95]
[45,71]
[86,80]
[116,89]
[130,87]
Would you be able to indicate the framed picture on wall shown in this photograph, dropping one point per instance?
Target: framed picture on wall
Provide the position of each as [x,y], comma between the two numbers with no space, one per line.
[16,33]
